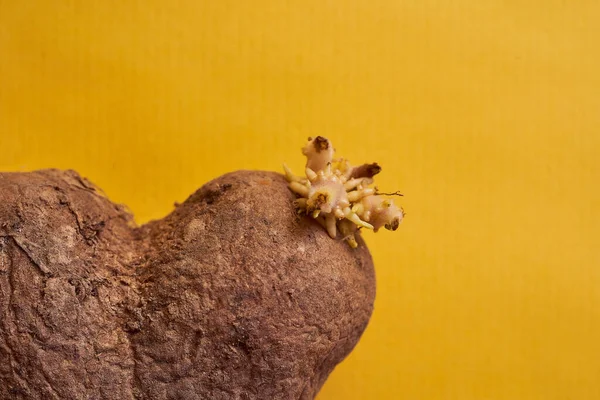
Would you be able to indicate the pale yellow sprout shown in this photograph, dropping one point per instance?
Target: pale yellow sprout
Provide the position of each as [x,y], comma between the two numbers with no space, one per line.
[379,212]
[319,153]
[336,194]
[348,229]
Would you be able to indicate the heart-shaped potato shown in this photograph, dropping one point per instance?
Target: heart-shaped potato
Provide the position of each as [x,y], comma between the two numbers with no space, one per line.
[231,296]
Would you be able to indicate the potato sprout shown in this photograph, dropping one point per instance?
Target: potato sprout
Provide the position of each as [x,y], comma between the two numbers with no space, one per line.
[338,195]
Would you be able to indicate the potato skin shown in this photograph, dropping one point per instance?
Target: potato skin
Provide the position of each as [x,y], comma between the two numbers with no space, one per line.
[231,296]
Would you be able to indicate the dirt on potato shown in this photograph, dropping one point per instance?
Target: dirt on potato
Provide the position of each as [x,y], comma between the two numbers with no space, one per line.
[231,296]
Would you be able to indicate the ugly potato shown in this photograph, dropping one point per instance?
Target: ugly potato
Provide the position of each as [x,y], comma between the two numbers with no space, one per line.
[234,295]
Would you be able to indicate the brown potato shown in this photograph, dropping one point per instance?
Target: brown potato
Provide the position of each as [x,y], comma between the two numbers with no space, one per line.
[231,296]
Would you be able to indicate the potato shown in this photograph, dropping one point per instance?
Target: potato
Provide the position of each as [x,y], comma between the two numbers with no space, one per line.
[234,295]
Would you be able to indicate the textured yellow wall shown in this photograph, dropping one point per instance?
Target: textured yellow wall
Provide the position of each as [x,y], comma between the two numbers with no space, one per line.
[486,114]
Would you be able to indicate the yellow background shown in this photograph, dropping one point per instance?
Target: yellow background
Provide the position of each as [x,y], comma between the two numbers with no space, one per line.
[486,114]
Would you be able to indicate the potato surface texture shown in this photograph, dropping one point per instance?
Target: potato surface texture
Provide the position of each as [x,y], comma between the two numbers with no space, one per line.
[231,296]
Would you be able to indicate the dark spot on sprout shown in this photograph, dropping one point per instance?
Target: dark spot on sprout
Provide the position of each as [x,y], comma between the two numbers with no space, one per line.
[321,199]
[320,144]
[366,171]
[392,226]
[373,169]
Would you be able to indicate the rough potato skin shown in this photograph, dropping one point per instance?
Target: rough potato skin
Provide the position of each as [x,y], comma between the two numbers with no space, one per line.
[231,296]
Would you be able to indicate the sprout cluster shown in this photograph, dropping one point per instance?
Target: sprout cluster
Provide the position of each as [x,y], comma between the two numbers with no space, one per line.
[338,195]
